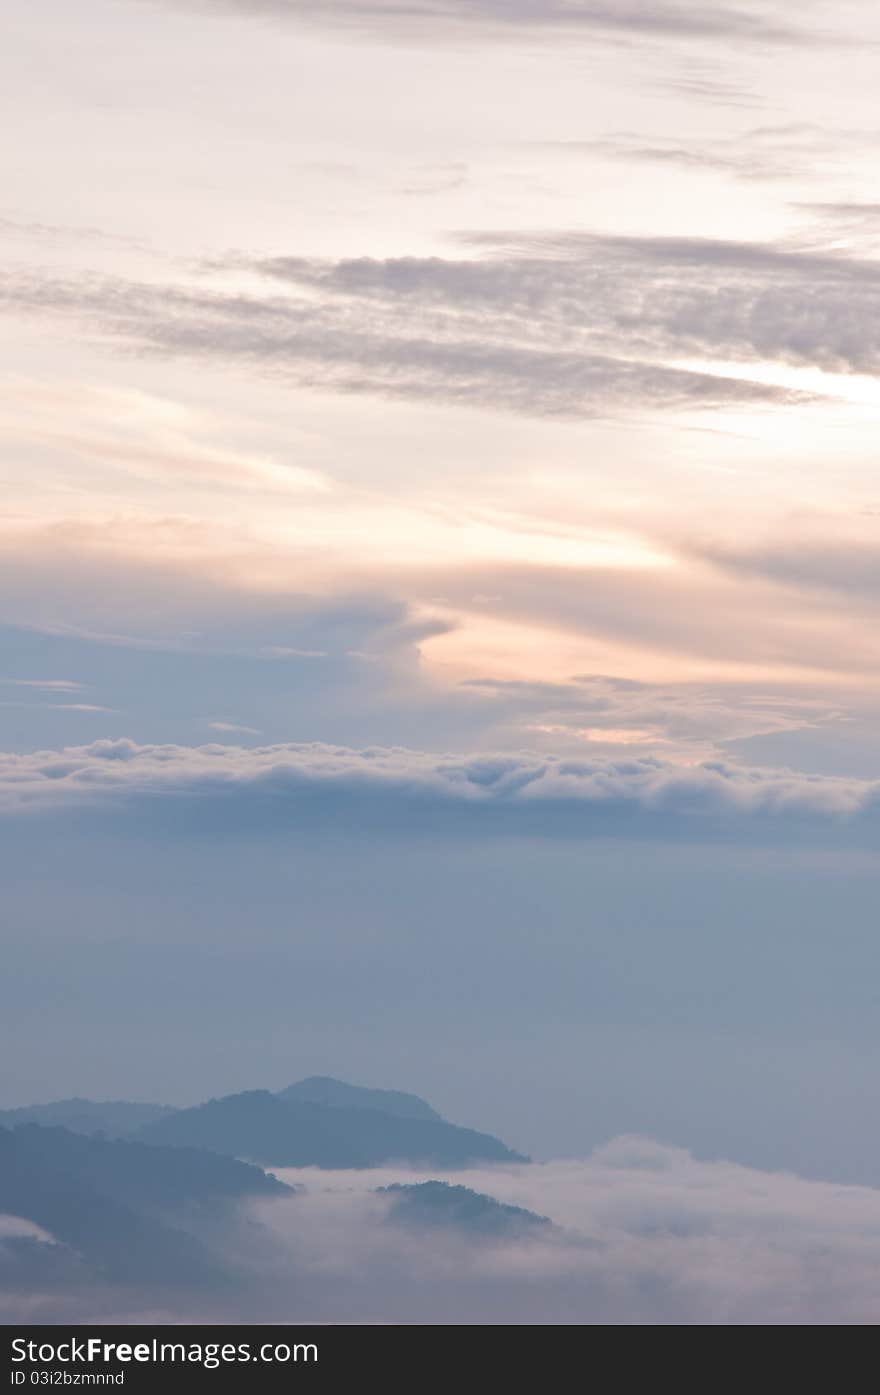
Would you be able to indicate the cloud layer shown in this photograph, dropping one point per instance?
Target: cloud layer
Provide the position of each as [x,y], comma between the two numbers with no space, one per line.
[650,1235]
[644,1234]
[303,783]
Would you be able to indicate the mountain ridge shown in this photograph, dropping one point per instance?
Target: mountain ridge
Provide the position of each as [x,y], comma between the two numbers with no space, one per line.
[339,1094]
[260,1126]
[115,1118]
[318,1121]
[126,1209]
[433,1204]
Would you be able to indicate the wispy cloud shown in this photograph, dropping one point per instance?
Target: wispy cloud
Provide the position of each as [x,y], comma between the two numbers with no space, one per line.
[561,329]
[657,297]
[567,324]
[145,437]
[654,19]
[849,569]
[51,685]
[786,152]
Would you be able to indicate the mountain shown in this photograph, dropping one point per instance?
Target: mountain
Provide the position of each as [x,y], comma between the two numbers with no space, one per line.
[124,1209]
[277,1132]
[318,1121]
[336,1094]
[440,1204]
[115,1118]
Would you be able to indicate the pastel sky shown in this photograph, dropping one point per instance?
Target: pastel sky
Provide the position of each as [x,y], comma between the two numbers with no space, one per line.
[439,566]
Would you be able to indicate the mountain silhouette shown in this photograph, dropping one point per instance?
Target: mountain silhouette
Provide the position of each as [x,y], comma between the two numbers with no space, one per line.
[441,1204]
[123,1208]
[114,1118]
[279,1132]
[336,1094]
[315,1122]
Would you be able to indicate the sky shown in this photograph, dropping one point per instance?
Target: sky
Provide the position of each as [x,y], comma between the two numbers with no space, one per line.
[439,562]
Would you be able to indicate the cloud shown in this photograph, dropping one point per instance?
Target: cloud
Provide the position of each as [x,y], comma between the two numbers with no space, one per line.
[343,666]
[50,685]
[840,223]
[736,640]
[486,335]
[733,621]
[651,1235]
[144,437]
[567,324]
[645,1233]
[234,728]
[652,297]
[170,586]
[850,569]
[15,1228]
[301,785]
[648,19]
[351,667]
[793,151]
[684,717]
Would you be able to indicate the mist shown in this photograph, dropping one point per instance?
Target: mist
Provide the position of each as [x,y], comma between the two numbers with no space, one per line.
[641,1233]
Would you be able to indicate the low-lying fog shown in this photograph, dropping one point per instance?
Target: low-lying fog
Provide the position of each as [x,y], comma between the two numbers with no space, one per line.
[642,1233]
